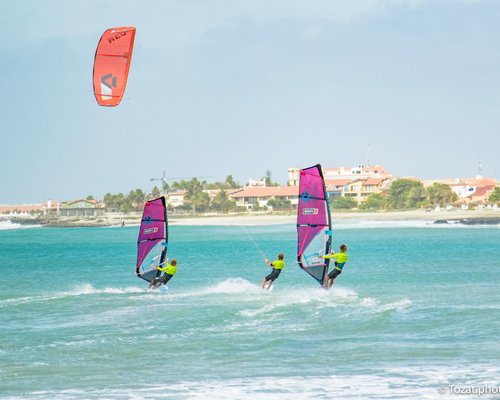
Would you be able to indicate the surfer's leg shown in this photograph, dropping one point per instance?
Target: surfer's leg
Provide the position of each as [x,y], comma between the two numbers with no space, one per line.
[269,277]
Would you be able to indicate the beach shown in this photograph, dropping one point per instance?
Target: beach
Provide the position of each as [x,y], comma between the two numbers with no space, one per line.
[276,219]
[116,219]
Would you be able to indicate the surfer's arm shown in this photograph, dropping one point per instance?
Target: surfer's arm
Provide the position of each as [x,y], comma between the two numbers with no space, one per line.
[268,262]
[331,255]
[164,268]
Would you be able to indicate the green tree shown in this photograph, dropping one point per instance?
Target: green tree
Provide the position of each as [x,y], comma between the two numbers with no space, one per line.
[440,194]
[279,203]
[406,193]
[90,197]
[256,206]
[376,201]
[343,203]
[118,202]
[182,185]
[231,183]
[165,187]
[222,202]
[137,198]
[155,193]
[268,179]
[108,199]
[494,196]
[195,196]
[416,195]
[200,202]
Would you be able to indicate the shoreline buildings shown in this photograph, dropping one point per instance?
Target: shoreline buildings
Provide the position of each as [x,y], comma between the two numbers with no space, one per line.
[357,183]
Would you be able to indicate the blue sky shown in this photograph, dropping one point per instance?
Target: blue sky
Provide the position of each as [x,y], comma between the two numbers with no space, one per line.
[241,87]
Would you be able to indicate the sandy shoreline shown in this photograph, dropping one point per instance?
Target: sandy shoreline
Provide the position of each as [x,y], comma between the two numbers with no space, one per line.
[270,219]
[491,216]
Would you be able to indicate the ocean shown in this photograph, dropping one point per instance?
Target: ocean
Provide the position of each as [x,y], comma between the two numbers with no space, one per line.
[414,315]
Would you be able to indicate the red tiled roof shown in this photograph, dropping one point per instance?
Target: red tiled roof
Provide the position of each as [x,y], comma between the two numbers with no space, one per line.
[374,181]
[268,191]
[20,207]
[364,169]
[337,182]
[53,204]
[214,192]
[482,191]
[469,182]
[78,201]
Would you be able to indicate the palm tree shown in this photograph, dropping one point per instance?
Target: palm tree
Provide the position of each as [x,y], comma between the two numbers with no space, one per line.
[223,202]
[155,192]
[137,198]
[441,194]
[231,183]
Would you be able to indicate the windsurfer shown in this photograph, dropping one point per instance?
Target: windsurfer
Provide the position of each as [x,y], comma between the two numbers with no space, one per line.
[277,266]
[340,260]
[169,269]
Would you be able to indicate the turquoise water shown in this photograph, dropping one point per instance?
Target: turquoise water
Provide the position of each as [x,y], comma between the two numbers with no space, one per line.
[417,306]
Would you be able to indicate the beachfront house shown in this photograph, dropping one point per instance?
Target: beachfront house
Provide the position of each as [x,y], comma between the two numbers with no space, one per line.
[251,196]
[474,190]
[336,187]
[355,182]
[20,209]
[359,172]
[360,189]
[81,208]
[212,193]
[51,207]
[469,190]
[176,199]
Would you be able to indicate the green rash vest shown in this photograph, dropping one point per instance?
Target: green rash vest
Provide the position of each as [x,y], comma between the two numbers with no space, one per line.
[278,264]
[340,257]
[169,269]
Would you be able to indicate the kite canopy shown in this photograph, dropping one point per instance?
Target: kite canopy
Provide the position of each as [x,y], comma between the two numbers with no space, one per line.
[111,65]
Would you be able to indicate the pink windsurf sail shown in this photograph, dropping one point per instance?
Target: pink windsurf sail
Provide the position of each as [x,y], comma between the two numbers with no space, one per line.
[153,239]
[314,226]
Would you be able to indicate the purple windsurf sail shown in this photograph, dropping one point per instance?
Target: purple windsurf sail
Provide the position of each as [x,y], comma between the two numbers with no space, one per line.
[153,239]
[314,226]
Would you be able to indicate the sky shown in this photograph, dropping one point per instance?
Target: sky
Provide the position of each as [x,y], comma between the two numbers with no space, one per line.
[241,87]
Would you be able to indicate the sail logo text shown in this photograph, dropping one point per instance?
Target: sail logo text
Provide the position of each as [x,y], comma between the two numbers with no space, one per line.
[116,36]
[150,230]
[310,211]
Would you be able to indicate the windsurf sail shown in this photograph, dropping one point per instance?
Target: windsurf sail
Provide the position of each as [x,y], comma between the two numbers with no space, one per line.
[112,63]
[153,239]
[314,226]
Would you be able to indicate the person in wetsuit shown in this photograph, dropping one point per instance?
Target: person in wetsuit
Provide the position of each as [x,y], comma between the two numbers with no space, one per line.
[168,269]
[277,267]
[340,260]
